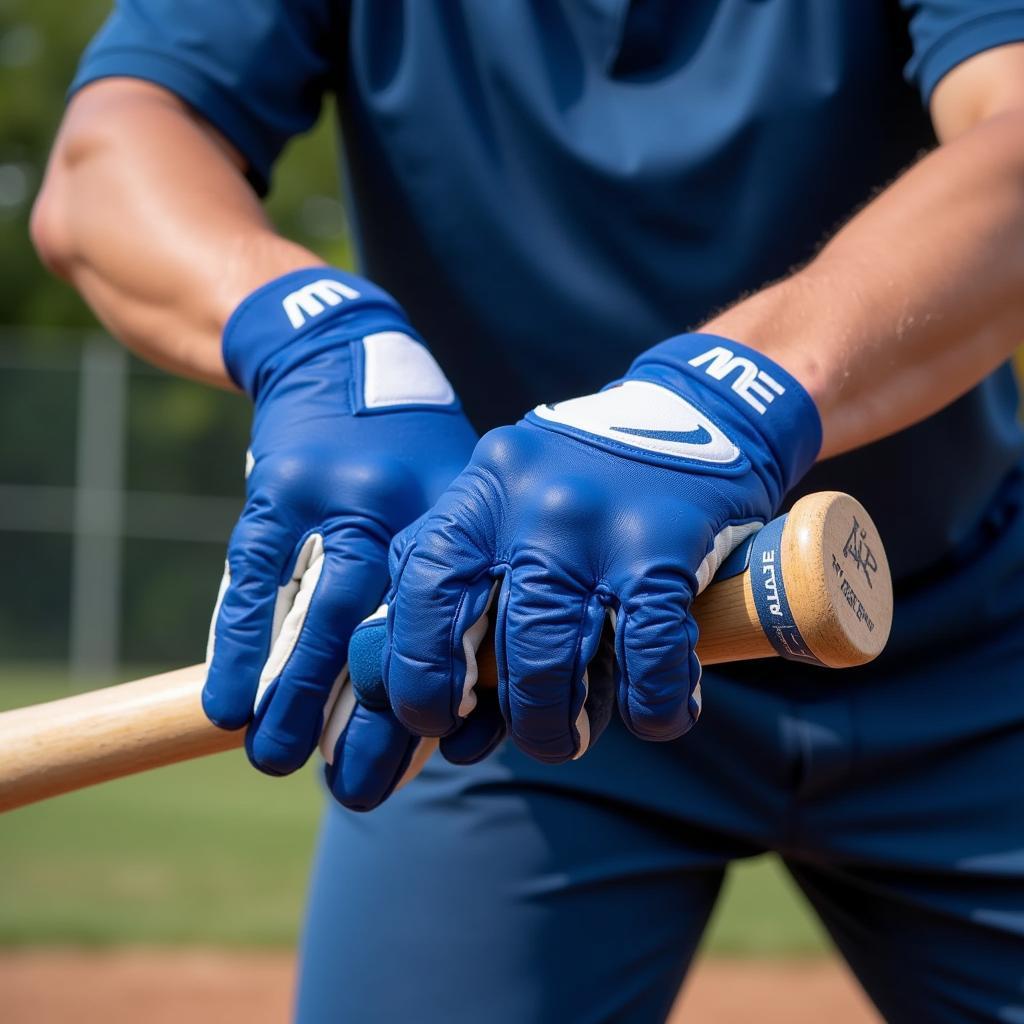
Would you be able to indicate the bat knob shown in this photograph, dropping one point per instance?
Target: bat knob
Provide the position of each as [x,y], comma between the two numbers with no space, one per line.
[834,575]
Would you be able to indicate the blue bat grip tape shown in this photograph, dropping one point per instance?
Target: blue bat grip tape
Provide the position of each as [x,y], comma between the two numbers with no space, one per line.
[769,589]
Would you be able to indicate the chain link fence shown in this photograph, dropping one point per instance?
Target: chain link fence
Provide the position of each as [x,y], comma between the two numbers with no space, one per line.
[119,486]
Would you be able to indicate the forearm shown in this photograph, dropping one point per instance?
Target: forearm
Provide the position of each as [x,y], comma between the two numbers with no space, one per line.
[146,211]
[914,301]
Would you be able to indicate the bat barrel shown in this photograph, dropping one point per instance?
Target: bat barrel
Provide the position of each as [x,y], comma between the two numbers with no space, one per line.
[53,748]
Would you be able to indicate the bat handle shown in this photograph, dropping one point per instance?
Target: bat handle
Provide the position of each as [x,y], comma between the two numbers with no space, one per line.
[812,586]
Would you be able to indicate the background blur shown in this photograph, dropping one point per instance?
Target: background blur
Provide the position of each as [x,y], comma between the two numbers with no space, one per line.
[118,484]
[118,488]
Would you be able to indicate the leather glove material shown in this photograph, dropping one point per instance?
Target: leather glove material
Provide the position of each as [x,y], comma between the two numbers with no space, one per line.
[616,507]
[356,432]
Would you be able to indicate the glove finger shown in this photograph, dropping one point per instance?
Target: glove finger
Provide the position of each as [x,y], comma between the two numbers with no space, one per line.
[340,578]
[484,728]
[474,738]
[441,595]
[368,752]
[658,672]
[243,621]
[401,543]
[600,680]
[479,734]
[546,635]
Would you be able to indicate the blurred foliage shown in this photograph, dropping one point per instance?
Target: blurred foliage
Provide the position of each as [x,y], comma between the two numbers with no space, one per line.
[39,47]
[182,438]
[40,44]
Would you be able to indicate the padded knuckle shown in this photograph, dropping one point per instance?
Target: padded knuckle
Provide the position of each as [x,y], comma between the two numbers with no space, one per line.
[384,485]
[498,447]
[643,527]
[317,483]
[566,502]
[286,474]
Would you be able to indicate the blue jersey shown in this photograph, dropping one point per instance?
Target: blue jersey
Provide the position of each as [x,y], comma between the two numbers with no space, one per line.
[551,188]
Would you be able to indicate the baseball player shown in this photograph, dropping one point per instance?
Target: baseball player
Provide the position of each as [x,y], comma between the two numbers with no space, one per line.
[776,246]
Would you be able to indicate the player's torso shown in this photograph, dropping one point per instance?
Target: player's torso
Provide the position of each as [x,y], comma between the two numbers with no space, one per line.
[591,175]
[551,188]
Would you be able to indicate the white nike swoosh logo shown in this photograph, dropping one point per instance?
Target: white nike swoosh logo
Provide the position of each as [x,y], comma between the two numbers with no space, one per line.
[648,417]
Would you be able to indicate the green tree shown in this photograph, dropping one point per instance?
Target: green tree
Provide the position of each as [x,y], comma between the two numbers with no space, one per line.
[40,44]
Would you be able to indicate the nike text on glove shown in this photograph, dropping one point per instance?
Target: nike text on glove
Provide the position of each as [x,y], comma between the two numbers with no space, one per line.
[356,432]
[620,505]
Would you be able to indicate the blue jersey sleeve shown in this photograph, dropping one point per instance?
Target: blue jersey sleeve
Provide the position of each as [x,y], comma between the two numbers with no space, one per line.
[945,33]
[255,69]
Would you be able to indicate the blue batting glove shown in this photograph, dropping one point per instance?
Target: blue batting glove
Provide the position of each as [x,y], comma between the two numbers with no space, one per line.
[621,505]
[382,765]
[369,753]
[356,432]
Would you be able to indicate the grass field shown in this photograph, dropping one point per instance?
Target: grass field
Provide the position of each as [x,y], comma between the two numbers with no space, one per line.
[212,853]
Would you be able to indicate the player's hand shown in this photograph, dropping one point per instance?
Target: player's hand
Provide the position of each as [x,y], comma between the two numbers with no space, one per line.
[356,432]
[369,753]
[620,504]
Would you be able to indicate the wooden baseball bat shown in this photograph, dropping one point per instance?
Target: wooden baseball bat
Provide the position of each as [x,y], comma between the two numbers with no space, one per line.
[812,586]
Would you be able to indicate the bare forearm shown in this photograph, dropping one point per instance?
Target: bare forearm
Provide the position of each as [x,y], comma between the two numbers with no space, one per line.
[914,301]
[146,211]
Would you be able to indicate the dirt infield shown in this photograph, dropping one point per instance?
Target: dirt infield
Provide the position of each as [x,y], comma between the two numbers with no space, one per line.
[207,987]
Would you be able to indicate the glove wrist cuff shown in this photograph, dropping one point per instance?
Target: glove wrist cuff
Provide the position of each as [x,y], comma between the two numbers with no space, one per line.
[297,316]
[747,388]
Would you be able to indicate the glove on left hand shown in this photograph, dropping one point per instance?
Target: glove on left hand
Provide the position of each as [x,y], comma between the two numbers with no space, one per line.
[356,432]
